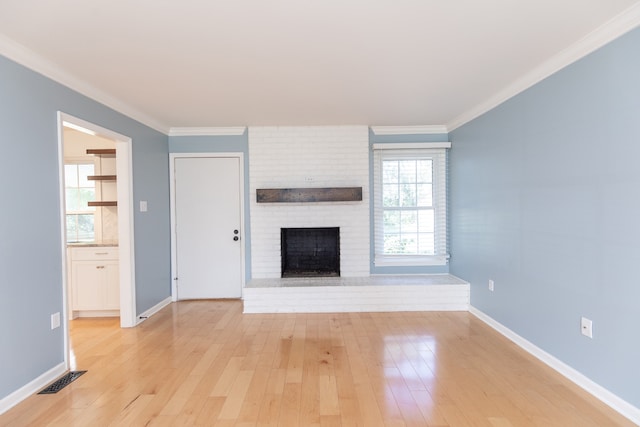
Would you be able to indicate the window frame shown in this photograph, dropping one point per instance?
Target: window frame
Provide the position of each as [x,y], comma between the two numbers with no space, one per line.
[437,152]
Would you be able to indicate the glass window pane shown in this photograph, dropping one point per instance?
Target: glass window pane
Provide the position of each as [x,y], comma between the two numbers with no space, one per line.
[72,199]
[426,221]
[391,222]
[407,171]
[390,171]
[425,170]
[408,196]
[85,228]
[426,244]
[425,196]
[70,175]
[392,244]
[390,196]
[86,195]
[409,222]
[72,228]
[409,244]
[83,172]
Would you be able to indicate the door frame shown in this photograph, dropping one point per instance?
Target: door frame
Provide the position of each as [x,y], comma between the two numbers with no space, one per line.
[172,189]
[126,260]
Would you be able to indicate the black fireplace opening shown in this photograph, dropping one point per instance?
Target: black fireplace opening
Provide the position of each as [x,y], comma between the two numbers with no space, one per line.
[310,252]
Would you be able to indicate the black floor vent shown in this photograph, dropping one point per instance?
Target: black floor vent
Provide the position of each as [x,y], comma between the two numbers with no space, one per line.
[62,382]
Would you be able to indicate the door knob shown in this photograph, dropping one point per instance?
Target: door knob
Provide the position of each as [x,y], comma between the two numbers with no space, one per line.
[235,231]
[236,238]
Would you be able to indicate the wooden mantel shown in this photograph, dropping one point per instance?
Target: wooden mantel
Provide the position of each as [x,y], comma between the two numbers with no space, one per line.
[309,195]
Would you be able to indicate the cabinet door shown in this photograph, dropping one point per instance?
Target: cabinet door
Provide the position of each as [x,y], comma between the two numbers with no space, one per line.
[89,279]
[112,286]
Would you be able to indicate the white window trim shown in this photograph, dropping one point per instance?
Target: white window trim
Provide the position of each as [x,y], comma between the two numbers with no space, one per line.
[411,151]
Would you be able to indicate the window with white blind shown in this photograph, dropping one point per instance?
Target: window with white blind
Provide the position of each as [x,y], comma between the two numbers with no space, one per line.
[410,204]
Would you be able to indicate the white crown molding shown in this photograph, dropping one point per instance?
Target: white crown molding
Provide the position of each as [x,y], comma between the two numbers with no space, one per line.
[607,32]
[208,131]
[26,57]
[612,400]
[409,130]
[410,145]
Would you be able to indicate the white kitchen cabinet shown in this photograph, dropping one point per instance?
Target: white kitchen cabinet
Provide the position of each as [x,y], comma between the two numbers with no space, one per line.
[95,284]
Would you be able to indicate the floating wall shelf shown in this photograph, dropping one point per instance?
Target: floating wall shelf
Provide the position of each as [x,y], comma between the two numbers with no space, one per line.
[309,195]
[102,177]
[102,203]
[102,151]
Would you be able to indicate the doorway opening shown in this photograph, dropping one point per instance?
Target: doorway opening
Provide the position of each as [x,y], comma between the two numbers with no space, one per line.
[96,218]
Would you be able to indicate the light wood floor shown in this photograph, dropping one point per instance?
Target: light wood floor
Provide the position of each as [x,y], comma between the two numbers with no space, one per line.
[205,363]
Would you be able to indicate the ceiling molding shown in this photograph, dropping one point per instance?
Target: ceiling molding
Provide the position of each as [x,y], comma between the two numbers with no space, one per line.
[607,32]
[26,57]
[410,145]
[208,131]
[409,130]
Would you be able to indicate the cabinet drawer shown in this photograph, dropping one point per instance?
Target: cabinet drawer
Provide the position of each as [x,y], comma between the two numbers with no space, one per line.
[94,253]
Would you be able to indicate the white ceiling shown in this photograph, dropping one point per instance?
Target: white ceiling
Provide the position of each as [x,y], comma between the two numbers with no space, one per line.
[208,63]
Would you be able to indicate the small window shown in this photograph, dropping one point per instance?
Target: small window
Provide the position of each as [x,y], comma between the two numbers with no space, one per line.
[79,190]
[410,207]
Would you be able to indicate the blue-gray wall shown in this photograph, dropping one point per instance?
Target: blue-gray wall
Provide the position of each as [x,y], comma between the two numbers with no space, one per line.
[545,201]
[223,144]
[30,237]
[392,139]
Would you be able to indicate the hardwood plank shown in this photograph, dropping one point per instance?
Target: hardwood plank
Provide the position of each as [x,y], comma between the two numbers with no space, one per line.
[210,410]
[329,401]
[232,405]
[270,407]
[290,406]
[182,395]
[228,377]
[255,393]
[205,363]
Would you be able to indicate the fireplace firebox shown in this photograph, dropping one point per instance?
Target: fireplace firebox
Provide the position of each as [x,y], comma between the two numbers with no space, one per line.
[310,252]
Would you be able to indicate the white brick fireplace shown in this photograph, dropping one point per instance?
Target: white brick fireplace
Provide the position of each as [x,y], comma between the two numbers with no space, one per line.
[303,157]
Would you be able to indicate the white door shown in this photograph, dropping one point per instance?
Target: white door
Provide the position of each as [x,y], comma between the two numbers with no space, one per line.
[208,227]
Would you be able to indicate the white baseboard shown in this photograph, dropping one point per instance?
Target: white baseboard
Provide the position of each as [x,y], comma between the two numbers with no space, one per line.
[32,387]
[95,313]
[616,403]
[153,310]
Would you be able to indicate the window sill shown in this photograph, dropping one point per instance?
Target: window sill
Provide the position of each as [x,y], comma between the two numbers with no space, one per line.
[410,260]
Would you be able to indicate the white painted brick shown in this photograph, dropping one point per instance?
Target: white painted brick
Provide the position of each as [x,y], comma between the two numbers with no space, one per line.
[286,156]
[356,298]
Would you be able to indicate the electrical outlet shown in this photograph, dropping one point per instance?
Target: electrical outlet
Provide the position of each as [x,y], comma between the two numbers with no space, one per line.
[586,327]
[55,320]
[491,285]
